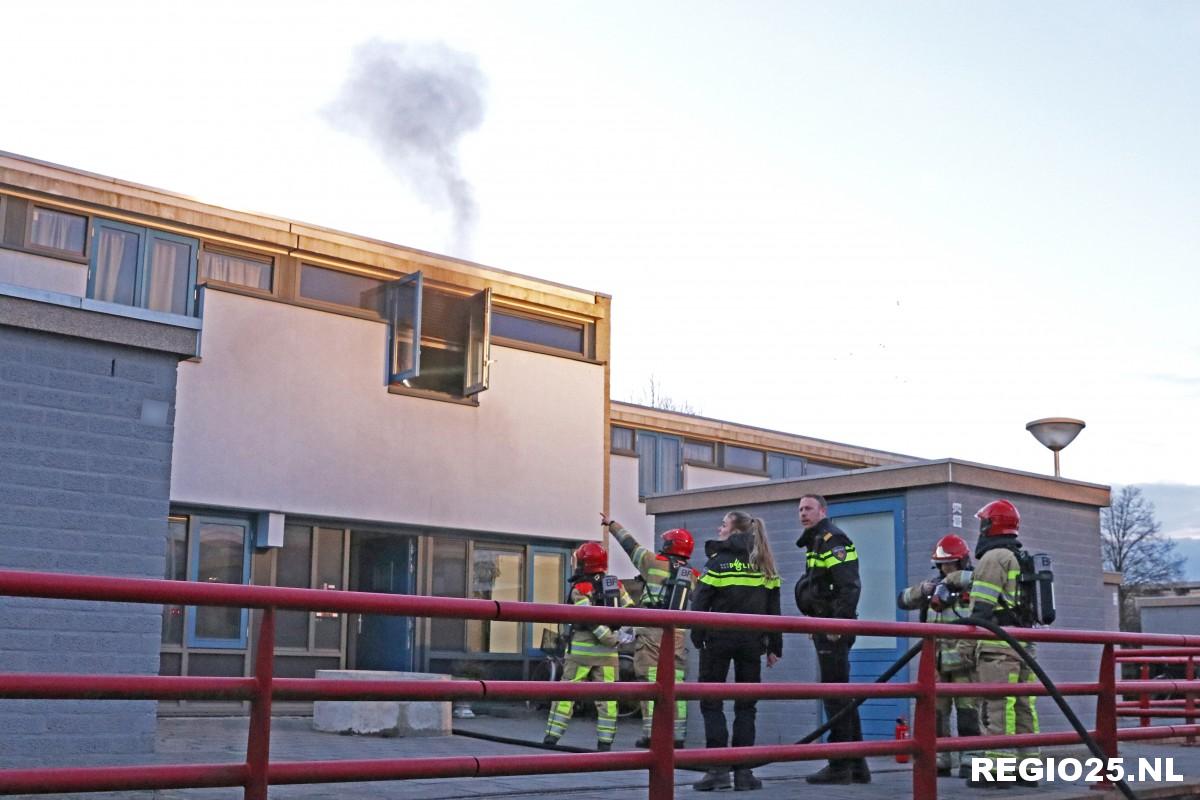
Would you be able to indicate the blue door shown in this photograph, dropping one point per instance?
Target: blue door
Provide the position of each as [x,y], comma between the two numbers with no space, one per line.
[877,528]
[383,563]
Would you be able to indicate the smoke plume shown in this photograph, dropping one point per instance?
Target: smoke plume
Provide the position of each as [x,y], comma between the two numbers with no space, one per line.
[414,102]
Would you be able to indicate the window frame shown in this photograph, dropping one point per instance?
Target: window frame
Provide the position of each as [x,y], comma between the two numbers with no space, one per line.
[697,462]
[632,450]
[249,255]
[522,627]
[585,334]
[194,522]
[660,440]
[532,648]
[146,237]
[788,460]
[40,249]
[725,465]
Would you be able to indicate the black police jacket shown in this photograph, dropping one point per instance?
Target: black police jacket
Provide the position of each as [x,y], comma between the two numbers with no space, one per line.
[730,585]
[830,586]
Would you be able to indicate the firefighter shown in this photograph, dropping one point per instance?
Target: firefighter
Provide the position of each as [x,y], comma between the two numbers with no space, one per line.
[994,593]
[592,649]
[661,574]
[956,657]
[830,588]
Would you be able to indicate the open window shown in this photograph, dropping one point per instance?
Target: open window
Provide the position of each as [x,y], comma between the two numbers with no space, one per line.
[439,338]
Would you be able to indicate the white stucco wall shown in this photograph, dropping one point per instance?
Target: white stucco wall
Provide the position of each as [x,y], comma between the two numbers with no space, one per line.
[626,509]
[704,478]
[42,272]
[288,411]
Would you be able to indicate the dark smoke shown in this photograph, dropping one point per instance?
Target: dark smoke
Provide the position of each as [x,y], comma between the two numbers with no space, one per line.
[414,102]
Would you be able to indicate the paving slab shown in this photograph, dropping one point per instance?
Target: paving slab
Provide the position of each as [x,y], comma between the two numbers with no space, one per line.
[214,740]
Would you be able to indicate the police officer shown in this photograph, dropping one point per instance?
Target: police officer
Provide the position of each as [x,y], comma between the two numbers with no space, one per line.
[956,657]
[739,578]
[660,571]
[830,588]
[592,651]
[994,593]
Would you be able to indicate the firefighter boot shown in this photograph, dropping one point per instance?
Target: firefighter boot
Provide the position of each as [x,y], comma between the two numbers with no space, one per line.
[713,779]
[744,781]
[835,772]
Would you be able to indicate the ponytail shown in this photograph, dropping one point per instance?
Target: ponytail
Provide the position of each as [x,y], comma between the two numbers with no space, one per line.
[761,558]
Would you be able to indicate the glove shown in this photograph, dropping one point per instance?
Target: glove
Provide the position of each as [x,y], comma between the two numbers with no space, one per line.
[625,636]
[698,638]
[927,587]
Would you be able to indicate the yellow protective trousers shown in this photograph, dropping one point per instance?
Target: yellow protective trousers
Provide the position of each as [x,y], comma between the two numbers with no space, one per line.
[645,665]
[606,710]
[1007,715]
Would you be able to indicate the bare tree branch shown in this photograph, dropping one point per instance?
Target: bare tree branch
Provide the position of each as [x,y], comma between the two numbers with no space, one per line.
[654,396]
[1132,544]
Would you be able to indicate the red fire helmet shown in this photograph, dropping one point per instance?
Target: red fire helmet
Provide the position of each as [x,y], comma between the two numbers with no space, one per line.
[950,548]
[591,558]
[998,518]
[678,542]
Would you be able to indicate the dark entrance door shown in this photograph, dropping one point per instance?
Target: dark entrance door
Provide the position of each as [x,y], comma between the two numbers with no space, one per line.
[382,563]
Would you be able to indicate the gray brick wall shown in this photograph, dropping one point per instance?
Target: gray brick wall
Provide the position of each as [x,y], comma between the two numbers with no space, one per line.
[1070,533]
[84,488]
[1171,619]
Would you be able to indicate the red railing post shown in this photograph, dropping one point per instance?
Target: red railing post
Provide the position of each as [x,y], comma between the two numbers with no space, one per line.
[1106,709]
[258,744]
[924,774]
[662,730]
[1189,703]
[1144,698]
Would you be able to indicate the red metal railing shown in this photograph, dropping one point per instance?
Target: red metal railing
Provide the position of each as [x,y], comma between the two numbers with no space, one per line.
[1144,708]
[259,771]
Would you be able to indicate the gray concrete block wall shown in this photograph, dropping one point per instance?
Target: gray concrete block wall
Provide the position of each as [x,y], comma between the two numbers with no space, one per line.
[1171,619]
[84,488]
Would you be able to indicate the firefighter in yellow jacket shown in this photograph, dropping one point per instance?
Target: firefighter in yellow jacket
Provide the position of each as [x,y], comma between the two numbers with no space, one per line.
[662,573]
[994,592]
[938,602]
[592,650]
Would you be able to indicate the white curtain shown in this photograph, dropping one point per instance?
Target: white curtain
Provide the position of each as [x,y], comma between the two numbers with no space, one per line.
[116,266]
[232,269]
[168,277]
[58,231]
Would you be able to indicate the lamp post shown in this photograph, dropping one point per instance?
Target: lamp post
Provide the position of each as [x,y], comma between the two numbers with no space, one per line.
[1055,433]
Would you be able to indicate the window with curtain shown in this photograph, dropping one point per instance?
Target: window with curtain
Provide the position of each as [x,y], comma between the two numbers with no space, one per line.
[58,230]
[143,267]
[255,273]
[660,463]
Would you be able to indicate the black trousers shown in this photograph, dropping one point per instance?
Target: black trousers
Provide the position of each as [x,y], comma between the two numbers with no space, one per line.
[833,658]
[715,658]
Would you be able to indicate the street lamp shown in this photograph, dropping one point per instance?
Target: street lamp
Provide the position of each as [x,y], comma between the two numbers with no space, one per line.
[1055,433]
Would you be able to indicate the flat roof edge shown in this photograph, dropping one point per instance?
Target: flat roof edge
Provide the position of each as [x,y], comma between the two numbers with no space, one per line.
[875,480]
[150,202]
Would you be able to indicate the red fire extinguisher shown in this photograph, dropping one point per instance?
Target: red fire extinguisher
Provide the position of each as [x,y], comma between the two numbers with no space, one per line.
[901,733]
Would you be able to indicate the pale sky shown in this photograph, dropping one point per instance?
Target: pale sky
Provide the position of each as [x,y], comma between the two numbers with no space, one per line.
[908,226]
